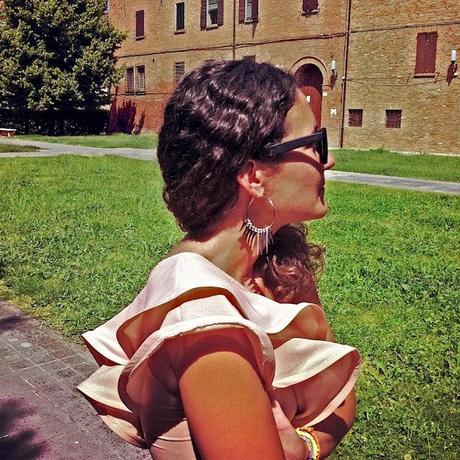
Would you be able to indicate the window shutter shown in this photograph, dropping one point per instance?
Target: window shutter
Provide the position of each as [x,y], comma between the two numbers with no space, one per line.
[130,80]
[393,118]
[351,118]
[255,10]
[420,61]
[180,16]
[432,40]
[241,11]
[139,81]
[355,117]
[142,80]
[179,71]
[220,12]
[139,23]
[309,5]
[425,60]
[203,14]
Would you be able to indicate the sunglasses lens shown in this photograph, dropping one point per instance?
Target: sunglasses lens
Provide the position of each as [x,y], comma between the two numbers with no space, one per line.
[320,149]
[324,147]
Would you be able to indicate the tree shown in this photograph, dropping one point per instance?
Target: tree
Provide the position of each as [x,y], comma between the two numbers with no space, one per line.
[56,55]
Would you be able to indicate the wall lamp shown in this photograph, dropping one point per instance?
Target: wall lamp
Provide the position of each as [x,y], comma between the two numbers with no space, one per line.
[452,69]
[334,67]
[333,73]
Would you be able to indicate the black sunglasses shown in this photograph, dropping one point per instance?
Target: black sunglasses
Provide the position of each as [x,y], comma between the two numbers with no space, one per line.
[318,139]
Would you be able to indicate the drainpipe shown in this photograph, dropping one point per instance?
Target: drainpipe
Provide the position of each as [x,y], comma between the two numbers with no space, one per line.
[234,31]
[345,73]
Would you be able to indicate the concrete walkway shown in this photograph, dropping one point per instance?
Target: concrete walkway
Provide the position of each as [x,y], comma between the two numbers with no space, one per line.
[50,149]
[420,185]
[42,416]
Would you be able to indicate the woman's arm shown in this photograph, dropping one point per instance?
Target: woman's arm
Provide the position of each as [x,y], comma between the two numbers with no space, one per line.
[331,430]
[227,408]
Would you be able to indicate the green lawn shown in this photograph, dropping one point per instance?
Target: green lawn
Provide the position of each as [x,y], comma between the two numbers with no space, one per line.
[143,141]
[78,237]
[7,148]
[383,162]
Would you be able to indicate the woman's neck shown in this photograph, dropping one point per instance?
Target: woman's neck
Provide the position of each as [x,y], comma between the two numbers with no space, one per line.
[225,248]
[225,245]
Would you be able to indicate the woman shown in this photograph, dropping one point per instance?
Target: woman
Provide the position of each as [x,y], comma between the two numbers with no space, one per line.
[188,369]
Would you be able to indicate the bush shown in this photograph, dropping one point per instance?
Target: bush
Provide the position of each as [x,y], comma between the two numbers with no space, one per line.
[53,122]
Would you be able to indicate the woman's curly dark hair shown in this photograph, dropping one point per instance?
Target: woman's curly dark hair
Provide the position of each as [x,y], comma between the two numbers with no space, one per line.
[221,115]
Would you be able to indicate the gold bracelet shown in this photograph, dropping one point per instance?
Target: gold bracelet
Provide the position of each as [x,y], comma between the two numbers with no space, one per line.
[310,439]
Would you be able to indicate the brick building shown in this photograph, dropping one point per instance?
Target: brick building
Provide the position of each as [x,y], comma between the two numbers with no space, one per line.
[377,74]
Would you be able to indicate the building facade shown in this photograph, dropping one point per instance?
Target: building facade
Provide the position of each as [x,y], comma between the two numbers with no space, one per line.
[377,74]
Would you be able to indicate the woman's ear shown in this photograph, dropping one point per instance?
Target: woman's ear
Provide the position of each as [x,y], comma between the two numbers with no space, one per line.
[250,179]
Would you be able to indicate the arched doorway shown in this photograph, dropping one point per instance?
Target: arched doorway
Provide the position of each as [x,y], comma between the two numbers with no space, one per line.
[310,81]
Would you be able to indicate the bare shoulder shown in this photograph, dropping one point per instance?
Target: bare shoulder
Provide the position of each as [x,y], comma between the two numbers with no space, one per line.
[227,407]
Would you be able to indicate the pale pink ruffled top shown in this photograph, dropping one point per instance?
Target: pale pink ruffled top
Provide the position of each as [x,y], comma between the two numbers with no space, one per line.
[188,294]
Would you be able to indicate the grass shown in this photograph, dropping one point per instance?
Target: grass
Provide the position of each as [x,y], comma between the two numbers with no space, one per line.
[7,148]
[143,141]
[383,162]
[78,237]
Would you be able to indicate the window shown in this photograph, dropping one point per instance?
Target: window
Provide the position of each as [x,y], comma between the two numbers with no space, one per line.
[355,117]
[179,71]
[135,80]
[248,10]
[393,118]
[139,24]
[212,13]
[309,6]
[180,16]
[251,57]
[425,61]
[139,79]
[130,80]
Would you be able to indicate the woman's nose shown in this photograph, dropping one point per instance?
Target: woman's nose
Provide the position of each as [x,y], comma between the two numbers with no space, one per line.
[330,161]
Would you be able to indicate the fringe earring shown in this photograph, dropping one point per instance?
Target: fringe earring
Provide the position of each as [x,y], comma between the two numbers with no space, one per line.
[258,237]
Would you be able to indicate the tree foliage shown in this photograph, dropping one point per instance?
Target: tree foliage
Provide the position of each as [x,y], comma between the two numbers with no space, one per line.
[56,55]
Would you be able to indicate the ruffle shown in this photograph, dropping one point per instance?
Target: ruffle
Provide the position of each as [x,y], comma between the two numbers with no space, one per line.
[188,294]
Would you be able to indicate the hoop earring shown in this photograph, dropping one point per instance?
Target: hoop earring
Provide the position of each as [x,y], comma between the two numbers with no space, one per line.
[258,237]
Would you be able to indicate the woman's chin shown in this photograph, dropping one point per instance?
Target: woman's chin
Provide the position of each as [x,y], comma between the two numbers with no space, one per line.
[318,214]
[321,211]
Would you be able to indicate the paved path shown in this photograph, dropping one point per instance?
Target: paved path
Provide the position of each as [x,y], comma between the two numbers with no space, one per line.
[421,185]
[49,149]
[42,416]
